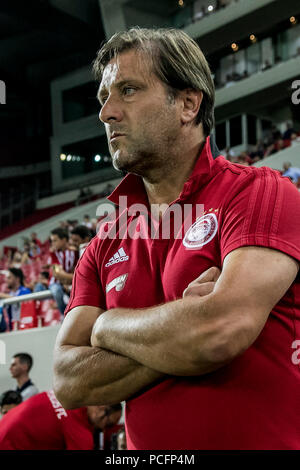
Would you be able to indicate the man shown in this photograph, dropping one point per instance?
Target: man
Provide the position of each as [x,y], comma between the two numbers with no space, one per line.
[202,323]
[63,261]
[80,238]
[41,423]
[291,172]
[9,400]
[87,221]
[15,282]
[35,240]
[20,367]
[42,282]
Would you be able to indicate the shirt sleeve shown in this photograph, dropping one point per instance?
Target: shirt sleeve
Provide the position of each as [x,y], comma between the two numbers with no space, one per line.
[86,285]
[263,209]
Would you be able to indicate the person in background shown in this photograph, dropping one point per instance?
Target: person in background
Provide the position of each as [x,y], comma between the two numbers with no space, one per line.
[35,240]
[86,221]
[16,261]
[42,282]
[121,439]
[63,261]
[15,282]
[23,429]
[80,237]
[291,172]
[9,400]
[20,367]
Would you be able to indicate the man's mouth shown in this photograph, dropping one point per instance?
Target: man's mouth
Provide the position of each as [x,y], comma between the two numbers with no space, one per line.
[116,135]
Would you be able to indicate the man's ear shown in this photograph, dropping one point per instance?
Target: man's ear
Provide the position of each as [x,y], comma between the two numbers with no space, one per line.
[191,102]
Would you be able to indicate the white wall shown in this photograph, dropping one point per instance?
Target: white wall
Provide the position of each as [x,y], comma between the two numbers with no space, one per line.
[43,229]
[291,154]
[39,342]
[70,196]
[259,81]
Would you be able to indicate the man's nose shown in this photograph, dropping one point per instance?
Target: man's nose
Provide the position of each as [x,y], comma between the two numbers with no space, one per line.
[111,110]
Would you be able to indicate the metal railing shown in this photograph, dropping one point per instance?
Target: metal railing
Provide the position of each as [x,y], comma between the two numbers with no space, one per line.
[42,295]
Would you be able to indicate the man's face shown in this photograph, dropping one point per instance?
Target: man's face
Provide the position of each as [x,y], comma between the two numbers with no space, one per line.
[76,240]
[5,408]
[100,419]
[12,281]
[142,121]
[17,368]
[58,243]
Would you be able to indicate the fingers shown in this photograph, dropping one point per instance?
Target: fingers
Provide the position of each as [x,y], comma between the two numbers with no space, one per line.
[211,274]
[199,289]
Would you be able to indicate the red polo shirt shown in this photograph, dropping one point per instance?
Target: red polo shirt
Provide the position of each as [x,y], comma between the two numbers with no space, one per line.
[254,402]
[40,423]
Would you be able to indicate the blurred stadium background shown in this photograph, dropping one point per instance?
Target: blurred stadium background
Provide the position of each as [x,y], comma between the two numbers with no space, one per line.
[55,166]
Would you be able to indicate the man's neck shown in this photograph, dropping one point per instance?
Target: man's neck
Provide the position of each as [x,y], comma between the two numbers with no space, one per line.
[22,380]
[168,184]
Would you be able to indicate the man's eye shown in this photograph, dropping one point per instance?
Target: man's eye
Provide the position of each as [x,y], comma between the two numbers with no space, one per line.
[102,100]
[129,90]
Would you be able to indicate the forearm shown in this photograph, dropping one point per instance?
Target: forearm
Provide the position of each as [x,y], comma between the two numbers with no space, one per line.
[178,338]
[64,277]
[4,296]
[92,376]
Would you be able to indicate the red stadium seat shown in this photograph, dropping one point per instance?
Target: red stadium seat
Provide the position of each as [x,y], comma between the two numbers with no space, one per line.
[28,315]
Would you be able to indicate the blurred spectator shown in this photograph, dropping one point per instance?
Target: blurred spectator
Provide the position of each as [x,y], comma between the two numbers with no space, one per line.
[35,240]
[26,254]
[295,139]
[94,227]
[34,252]
[42,424]
[229,154]
[289,131]
[84,195]
[229,80]
[63,224]
[266,66]
[245,158]
[20,367]
[71,224]
[107,190]
[42,282]
[121,439]
[241,160]
[80,238]
[16,261]
[86,221]
[9,400]
[291,172]
[15,282]
[63,261]
[259,151]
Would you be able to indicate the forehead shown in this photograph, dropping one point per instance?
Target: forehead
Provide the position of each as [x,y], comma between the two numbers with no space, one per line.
[129,64]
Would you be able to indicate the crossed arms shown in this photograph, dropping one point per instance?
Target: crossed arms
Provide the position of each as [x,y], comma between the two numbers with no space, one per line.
[106,357]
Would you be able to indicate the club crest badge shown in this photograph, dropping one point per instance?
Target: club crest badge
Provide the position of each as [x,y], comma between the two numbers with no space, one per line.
[201,232]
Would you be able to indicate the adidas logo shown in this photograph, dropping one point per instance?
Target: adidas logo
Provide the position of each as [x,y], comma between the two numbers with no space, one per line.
[118,257]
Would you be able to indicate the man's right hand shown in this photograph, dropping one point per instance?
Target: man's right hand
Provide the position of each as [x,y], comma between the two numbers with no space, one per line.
[204,284]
